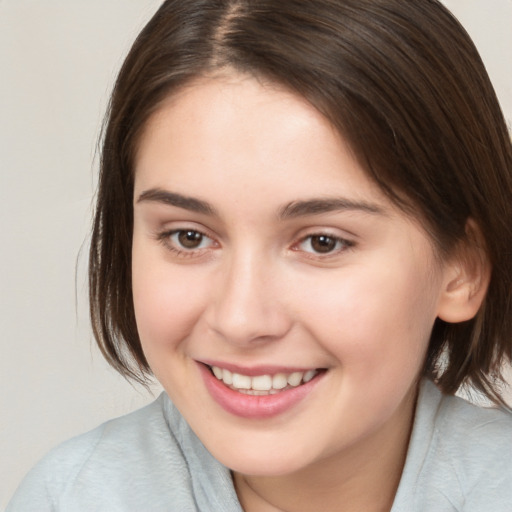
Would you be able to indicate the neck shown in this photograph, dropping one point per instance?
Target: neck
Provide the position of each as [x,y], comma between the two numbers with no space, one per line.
[362,477]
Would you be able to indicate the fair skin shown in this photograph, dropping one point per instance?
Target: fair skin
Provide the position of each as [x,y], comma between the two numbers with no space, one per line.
[261,247]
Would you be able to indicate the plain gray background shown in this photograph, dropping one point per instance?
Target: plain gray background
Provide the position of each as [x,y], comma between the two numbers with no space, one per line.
[58,59]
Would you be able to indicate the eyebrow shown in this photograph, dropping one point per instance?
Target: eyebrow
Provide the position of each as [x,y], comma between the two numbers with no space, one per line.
[327,205]
[294,209]
[157,195]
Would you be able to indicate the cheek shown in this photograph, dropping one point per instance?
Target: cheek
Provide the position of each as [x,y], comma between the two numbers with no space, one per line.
[374,320]
[166,303]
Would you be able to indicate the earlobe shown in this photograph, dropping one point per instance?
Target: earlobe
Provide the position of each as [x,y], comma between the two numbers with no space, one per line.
[467,277]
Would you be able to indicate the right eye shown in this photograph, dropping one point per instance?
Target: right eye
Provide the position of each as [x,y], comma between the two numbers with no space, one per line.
[185,241]
[190,239]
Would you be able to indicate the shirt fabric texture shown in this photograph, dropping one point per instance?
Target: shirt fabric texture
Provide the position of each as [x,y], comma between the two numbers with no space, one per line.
[459,459]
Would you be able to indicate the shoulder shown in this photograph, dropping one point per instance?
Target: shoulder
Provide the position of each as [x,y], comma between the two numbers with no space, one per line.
[455,425]
[479,438]
[460,419]
[476,443]
[122,461]
[460,455]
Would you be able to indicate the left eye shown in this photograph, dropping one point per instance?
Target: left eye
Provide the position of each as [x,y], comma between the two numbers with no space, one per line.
[189,239]
[323,244]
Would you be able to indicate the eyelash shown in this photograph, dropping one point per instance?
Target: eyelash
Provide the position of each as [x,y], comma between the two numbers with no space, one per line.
[338,241]
[165,238]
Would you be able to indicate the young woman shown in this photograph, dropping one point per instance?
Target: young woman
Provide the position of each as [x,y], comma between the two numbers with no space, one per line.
[304,232]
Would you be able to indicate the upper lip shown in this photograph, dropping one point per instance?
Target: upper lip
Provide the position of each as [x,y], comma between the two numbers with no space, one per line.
[252,371]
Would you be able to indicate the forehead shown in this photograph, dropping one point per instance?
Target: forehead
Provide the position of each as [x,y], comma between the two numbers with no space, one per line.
[240,130]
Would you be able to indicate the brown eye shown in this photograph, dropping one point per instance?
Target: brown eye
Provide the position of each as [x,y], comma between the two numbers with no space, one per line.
[323,243]
[189,239]
[186,242]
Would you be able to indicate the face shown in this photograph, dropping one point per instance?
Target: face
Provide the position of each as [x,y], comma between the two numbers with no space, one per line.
[282,301]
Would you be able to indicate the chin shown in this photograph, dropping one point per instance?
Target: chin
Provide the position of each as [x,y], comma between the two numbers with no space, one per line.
[264,468]
[256,459]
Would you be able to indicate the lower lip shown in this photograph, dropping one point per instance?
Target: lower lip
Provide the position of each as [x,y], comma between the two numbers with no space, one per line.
[255,406]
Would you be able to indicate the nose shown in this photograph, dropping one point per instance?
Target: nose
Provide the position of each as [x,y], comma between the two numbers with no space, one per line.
[248,305]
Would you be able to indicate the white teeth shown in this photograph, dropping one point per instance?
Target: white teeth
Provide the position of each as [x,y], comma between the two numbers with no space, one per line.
[227,377]
[241,381]
[309,375]
[262,384]
[279,381]
[295,378]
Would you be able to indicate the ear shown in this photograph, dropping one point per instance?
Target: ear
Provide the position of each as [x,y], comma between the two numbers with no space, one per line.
[466,278]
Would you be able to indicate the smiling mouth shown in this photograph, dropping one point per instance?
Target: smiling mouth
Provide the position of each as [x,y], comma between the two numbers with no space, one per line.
[261,385]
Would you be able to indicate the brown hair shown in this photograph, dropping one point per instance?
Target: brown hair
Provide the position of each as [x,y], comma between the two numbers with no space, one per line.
[401,81]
